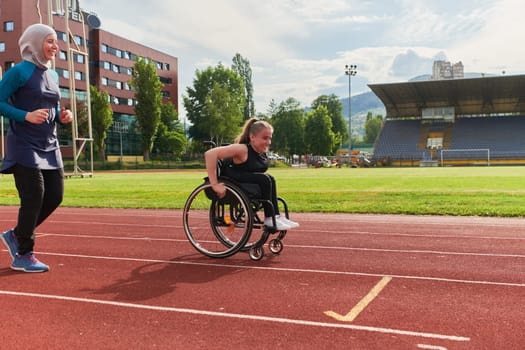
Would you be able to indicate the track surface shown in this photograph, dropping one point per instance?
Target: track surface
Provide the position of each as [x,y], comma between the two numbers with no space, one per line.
[125,279]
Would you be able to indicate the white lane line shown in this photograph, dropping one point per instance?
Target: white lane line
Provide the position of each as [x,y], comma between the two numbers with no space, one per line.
[242,316]
[248,267]
[303,230]
[303,246]
[431,347]
[409,251]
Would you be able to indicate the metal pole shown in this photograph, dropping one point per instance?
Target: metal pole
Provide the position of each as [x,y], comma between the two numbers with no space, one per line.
[2,124]
[121,154]
[350,70]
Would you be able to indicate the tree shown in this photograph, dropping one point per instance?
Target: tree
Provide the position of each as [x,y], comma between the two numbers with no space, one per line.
[373,126]
[318,132]
[242,67]
[101,119]
[288,124]
[272,108]
[223,115]
[335,111]
[147,86]
[170,136]
[214,104]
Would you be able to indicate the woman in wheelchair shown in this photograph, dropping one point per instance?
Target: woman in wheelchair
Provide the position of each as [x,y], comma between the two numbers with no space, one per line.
[247,163]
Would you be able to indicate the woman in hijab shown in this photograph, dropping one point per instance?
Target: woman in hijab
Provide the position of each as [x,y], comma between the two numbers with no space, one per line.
[30,98]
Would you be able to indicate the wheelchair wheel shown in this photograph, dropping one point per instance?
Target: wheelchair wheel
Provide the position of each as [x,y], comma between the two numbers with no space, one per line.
[256,252]
[217,227]
[275,245]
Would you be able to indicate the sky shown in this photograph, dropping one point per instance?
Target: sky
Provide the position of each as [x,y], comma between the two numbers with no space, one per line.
[299,48]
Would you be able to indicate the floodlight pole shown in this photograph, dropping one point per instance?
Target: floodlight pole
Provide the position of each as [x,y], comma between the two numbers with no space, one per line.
[2,124]
[350,70]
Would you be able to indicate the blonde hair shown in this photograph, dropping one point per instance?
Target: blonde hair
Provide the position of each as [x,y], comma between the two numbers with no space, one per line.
[252,127]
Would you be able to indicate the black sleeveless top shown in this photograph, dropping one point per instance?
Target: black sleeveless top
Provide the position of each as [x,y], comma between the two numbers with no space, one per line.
[255,163]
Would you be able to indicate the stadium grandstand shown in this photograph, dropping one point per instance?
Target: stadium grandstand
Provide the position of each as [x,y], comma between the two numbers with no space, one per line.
[471,121]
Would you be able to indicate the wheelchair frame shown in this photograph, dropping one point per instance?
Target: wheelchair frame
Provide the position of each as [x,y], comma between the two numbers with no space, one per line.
[231,221]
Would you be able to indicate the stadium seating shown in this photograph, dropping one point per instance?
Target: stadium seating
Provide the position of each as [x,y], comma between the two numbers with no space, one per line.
[399,139]
[502,135]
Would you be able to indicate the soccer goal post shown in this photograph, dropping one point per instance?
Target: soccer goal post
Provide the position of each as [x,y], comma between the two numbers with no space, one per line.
[472,156]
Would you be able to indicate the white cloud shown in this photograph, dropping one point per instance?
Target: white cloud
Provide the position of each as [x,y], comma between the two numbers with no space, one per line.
[498,45]
[298,48]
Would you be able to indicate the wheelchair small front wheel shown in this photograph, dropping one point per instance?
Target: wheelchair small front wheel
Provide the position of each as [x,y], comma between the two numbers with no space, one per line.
[276,246]
[256,252]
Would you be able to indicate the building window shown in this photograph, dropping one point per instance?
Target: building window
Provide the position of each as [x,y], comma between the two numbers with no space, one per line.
[79,58]
[106,65]
[167,66]
[61,35]
[64,93]
[130,102]
[79,76]
[104,48]
[9,64]
[63,72]
[9,26]
[2,46]
[62,55]
[104,81]
[166,80]
[119,85]
[81,95]
[116,68]
[78,40]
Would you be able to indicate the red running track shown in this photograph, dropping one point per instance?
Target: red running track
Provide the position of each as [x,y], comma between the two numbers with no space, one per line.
[125,279]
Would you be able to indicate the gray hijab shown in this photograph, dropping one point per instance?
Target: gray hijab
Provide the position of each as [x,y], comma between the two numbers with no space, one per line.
[31,44]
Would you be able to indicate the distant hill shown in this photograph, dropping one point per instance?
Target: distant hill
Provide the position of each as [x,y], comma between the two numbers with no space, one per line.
[361,105]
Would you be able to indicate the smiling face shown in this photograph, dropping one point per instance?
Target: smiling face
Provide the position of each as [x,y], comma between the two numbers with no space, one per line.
[262,140]
[50,47]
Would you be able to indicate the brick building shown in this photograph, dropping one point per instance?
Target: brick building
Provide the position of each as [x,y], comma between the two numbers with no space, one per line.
[87,54]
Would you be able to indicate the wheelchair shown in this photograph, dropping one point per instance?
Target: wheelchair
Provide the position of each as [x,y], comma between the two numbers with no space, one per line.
[221,227]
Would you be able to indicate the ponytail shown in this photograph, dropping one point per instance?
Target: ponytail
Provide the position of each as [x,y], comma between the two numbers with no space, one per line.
[252,127]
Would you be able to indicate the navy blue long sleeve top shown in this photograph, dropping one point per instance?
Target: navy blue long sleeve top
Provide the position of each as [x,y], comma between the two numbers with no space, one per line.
[25,88]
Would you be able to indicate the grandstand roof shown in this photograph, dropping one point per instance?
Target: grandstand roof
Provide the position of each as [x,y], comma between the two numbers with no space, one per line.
[472,96]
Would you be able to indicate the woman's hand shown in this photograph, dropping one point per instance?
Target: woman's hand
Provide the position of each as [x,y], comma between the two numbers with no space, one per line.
[220,189]
[38,116]
[66,116]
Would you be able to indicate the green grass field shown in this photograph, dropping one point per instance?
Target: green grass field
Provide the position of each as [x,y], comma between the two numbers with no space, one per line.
[480,191]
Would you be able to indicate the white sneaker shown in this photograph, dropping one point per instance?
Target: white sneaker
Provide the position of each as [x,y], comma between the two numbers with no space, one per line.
[287,221]
[279,225]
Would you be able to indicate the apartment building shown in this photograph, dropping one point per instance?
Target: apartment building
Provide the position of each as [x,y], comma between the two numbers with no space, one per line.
[88,54]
